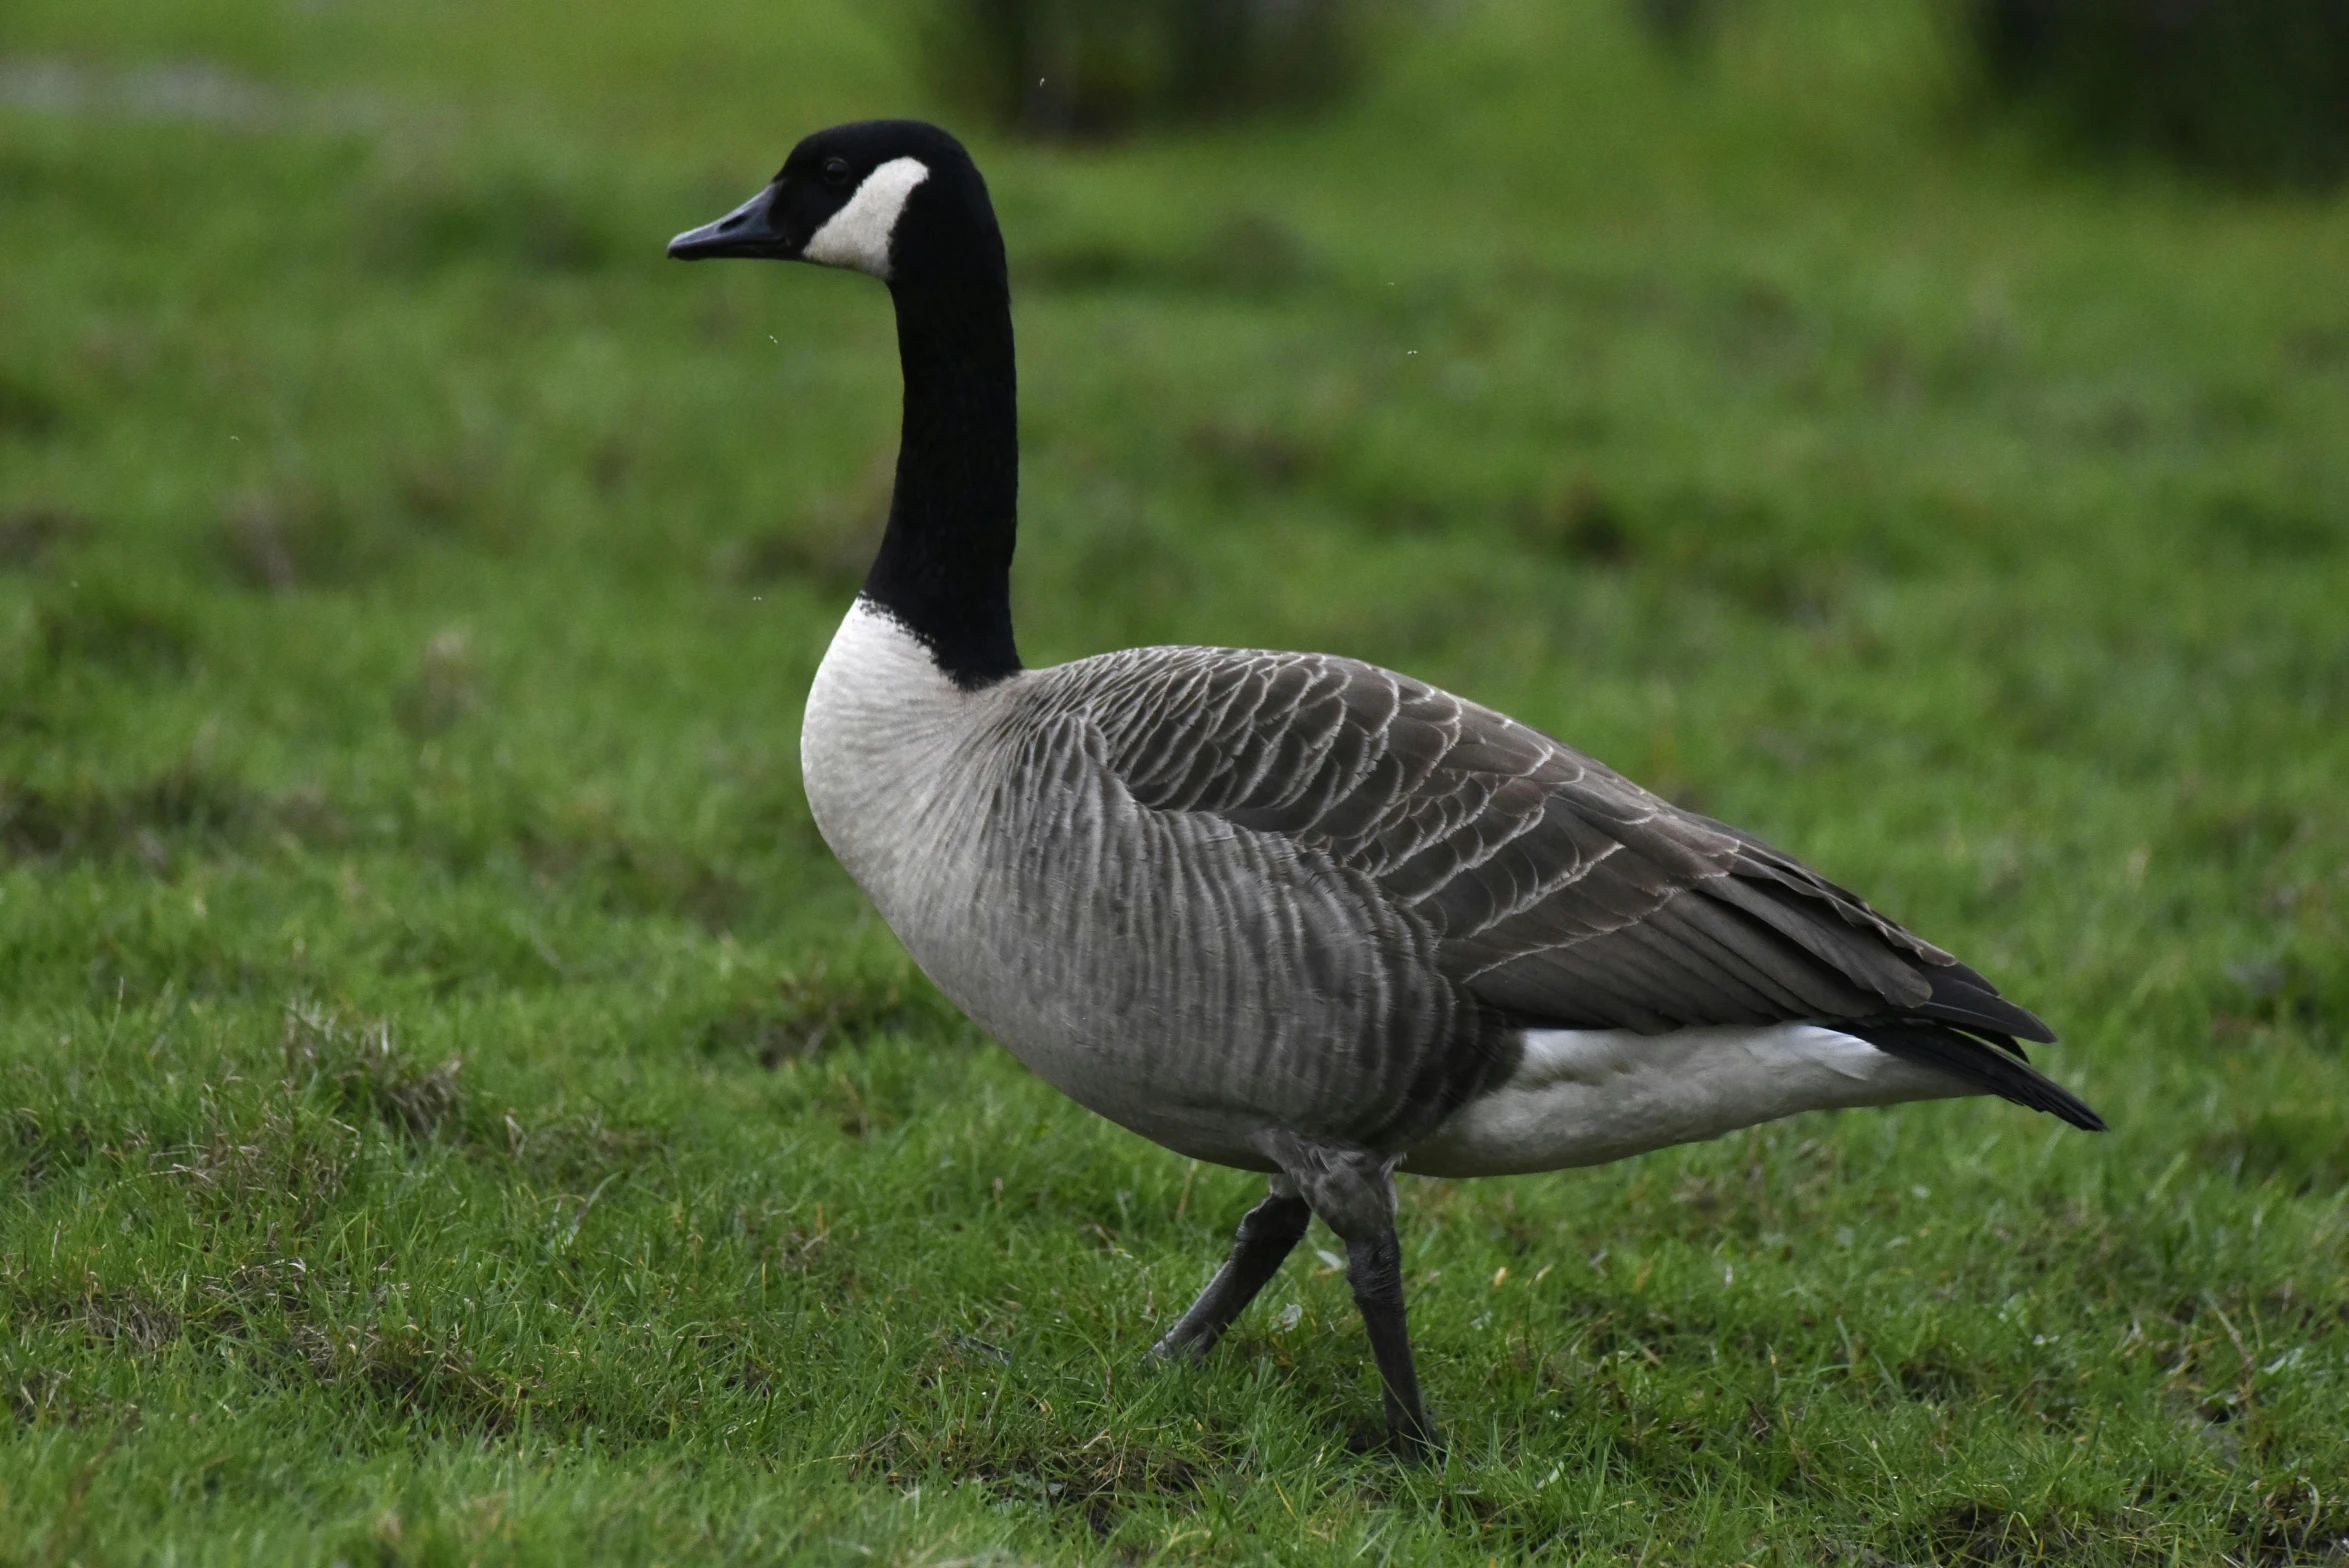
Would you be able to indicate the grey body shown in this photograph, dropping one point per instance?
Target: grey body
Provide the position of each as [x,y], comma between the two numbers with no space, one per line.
[1228,898]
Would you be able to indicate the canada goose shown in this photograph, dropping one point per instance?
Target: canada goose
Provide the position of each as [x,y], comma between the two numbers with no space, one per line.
[1283,911]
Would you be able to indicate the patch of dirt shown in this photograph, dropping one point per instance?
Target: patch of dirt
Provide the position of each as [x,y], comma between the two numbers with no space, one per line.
[359,1072]
[129,1321]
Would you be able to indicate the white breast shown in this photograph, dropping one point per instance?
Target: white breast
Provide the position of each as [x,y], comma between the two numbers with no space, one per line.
[907,776]
[1588,1096]
[878,754]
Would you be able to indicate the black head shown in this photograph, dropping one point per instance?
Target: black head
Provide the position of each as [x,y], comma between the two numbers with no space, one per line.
[877,195]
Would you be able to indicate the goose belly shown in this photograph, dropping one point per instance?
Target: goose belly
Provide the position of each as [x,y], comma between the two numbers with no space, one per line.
[1091,952]
[1585,1097]
[1146,1031]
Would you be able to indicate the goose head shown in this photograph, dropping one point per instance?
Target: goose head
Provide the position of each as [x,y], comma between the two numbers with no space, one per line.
[901,200]
[880,196]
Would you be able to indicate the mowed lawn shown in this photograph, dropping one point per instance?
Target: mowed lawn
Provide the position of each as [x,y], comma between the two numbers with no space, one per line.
[453,1109]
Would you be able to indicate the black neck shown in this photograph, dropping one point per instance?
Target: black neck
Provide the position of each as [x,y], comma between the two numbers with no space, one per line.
[944,568]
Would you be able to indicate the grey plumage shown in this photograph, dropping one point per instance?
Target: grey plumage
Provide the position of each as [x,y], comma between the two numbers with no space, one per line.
[1292,912]
[1297,891]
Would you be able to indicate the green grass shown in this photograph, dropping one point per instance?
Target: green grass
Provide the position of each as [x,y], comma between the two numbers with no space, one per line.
[454,1109]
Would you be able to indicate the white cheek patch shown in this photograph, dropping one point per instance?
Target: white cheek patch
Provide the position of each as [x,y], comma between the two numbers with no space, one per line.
[858,234]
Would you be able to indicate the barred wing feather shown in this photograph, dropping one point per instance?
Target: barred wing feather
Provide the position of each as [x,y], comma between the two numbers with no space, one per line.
[1559,893]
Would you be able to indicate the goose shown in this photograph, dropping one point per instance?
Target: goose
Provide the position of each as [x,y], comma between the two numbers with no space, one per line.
[1290,912]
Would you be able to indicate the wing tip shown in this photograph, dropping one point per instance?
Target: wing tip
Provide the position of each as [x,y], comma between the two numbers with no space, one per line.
[1964,998]
[1932,1043]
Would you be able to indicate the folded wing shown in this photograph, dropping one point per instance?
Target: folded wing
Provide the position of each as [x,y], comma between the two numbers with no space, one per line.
[1562,895]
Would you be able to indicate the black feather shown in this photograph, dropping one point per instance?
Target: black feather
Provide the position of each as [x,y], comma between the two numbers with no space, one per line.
[1964,998]
[1963,1056]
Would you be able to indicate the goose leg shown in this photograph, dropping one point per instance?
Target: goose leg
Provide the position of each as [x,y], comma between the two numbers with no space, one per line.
[1374,1267]
[1354,1193]
[1265,1237]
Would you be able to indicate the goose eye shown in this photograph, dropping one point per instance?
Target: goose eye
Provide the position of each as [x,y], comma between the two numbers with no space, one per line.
[836,171]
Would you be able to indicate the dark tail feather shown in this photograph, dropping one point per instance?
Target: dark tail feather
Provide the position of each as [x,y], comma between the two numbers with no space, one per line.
[1964,998]
[1962,1056]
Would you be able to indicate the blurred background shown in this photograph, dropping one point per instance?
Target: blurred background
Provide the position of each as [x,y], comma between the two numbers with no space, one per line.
[1839,416]
[1917,430]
